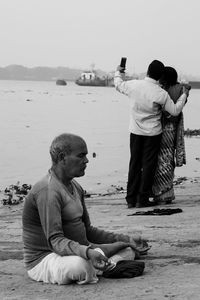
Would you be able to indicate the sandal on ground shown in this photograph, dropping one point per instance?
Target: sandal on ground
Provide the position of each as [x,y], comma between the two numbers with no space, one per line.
[125,269]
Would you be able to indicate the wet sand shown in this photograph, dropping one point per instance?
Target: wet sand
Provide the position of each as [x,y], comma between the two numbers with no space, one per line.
[101,117]
[172,266]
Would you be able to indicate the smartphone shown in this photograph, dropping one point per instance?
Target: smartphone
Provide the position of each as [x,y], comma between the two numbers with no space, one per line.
[123,64]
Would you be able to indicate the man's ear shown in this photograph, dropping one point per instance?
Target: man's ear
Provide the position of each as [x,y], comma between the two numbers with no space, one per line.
[61,156]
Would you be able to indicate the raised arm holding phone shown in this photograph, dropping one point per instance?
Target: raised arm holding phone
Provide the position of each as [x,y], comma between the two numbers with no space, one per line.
[147,101]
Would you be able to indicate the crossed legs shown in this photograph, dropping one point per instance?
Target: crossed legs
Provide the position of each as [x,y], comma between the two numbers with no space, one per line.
[67,269]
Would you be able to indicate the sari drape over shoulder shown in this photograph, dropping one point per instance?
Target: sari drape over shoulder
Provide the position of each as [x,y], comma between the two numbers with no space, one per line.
[172,151]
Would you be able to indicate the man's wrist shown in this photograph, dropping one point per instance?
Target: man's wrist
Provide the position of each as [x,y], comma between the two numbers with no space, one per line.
[87,251]
[118,74]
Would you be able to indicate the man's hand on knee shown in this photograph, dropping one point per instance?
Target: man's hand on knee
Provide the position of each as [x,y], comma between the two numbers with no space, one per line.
[99,261]
[140,246]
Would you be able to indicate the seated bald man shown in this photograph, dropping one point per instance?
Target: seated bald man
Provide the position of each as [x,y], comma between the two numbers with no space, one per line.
[60,244]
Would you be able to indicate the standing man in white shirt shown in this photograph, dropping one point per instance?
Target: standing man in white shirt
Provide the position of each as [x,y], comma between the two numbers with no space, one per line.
[147,100]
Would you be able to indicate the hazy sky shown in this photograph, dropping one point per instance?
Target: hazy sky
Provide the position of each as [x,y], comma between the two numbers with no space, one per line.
[77,33]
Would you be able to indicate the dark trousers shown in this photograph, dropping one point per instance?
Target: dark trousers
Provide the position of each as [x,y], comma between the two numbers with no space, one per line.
[142,167]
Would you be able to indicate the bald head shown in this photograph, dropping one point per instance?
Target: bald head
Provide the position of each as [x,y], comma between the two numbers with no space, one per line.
[64,144]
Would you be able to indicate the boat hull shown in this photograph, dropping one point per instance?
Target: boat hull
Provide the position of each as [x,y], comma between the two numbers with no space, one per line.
[91,82]
[61,82]
[95,82]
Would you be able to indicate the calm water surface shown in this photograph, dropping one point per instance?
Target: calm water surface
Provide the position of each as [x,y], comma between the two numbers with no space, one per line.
[33,113]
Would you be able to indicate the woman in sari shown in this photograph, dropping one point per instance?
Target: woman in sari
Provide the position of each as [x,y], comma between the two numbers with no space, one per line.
[172,149]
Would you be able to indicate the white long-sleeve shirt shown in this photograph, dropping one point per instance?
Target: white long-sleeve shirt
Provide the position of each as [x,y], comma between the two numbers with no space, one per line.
[147,100]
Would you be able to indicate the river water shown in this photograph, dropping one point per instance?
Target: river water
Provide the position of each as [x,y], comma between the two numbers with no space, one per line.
[33,113]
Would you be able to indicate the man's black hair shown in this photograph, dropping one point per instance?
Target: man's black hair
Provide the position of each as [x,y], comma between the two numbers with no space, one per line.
[155,69]
[169,77]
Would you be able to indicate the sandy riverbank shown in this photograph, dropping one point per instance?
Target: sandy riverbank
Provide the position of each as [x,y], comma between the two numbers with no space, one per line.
[172,265]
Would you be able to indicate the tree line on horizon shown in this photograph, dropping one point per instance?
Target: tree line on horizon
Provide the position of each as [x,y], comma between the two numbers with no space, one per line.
[41,73]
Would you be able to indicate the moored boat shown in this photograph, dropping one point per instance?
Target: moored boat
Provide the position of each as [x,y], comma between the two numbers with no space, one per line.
[61,82]
[90,78]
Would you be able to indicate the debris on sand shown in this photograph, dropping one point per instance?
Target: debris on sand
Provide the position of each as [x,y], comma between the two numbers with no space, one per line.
[179,180]
[15,194]
[191,132]
[158,212]
[113,190]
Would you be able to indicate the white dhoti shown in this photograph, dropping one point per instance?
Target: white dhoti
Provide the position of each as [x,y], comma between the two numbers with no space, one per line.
[67,269]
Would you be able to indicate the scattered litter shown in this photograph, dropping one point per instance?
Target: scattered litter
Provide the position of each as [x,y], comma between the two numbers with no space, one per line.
[194,180]
[15,194]
[118,187]
[158,212]
[113,190]
[192,132]
[179,180]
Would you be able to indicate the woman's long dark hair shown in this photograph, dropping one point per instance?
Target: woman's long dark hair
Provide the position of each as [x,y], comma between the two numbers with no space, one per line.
[169,77]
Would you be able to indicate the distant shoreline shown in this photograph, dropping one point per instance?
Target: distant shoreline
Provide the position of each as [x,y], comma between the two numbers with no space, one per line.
[42,73]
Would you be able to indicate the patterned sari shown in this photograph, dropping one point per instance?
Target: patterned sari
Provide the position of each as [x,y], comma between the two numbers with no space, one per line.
[172,152]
